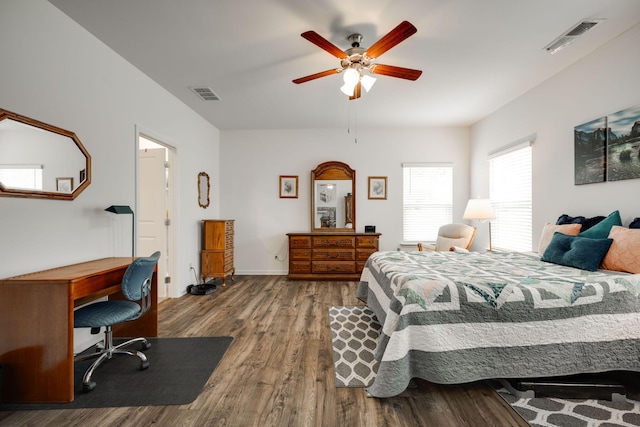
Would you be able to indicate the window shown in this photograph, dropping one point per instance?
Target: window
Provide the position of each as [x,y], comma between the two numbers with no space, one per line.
[427,200]
[510,194]
[24,177]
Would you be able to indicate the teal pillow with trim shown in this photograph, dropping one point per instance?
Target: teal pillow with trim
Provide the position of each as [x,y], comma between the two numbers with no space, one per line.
[601,230]
[576,251]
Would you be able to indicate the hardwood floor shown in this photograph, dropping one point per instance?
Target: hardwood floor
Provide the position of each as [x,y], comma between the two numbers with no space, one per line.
[279,369]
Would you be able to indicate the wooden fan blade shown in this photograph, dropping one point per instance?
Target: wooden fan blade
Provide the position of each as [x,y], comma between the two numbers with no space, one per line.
[393,71]
[356,92]
[316,76]
[402,32]
[323,43]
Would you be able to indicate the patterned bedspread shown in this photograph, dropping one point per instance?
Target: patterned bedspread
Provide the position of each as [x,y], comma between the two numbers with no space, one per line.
[458,317]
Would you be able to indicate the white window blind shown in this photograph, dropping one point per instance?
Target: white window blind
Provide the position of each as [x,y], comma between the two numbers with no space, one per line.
[24,177]
[427,200]
[510,193]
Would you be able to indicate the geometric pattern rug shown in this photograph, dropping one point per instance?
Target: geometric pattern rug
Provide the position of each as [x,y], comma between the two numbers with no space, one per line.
[354,335]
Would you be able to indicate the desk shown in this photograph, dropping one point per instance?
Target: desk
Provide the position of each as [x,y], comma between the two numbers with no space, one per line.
[36,325]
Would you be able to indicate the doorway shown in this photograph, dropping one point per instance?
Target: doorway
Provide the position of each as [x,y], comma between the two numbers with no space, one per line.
[155,206]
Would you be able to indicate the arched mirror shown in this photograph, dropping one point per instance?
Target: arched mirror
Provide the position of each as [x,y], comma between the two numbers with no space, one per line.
[333,201]
[203,189]
[40,160]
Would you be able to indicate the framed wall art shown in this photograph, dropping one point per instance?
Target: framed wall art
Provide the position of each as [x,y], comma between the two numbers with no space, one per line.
[378,187]
[288,187]
[64,185]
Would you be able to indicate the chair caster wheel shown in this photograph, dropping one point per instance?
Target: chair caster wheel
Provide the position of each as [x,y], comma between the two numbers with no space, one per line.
[144,365]
[146,345]
[87,387]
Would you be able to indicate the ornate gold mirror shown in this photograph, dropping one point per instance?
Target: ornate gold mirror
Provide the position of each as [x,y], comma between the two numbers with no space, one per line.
[333,197]
[39,160]
[203,189]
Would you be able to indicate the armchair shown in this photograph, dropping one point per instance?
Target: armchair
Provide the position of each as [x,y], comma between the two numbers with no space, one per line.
[451,236]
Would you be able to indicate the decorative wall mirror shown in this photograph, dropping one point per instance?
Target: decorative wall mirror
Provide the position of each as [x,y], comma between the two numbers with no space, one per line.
[203,189]
[333,197]
[38,160]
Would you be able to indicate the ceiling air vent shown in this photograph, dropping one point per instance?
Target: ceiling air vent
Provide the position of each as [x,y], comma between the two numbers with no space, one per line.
[570,36]
[205,93]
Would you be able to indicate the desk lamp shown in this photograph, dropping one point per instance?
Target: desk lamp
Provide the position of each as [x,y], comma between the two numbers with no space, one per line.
[122,209]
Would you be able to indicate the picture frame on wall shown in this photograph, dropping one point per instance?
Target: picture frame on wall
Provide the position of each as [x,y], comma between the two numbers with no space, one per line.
[623,139]
[288,186]
[377,188]
[590,152]
[64,185]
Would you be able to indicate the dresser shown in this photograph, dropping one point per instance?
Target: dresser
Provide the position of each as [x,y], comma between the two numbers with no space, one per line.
[329,256]
[217,249]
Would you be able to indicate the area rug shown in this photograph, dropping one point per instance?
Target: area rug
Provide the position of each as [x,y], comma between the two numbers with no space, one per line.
[178,370]
[354,334]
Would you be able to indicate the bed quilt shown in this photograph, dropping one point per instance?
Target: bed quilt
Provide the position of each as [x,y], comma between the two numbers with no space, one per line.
[452,318]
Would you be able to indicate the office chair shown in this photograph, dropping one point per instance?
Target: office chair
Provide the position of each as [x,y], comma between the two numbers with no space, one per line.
[451,236]
[136,286]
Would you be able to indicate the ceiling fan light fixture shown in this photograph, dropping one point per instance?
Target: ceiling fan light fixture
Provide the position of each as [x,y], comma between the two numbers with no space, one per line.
[351,76]
[348,89]
[367,82]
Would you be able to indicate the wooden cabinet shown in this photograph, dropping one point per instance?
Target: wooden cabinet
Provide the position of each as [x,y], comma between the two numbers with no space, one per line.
[329,256]
[217,249]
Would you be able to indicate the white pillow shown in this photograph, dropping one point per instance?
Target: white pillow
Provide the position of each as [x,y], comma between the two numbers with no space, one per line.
[549,229]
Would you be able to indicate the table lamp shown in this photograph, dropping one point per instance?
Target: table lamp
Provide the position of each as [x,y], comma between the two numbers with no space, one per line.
[481,210]
[123,209]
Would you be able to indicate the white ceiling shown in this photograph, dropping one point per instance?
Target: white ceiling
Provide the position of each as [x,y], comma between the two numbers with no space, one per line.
[476,55]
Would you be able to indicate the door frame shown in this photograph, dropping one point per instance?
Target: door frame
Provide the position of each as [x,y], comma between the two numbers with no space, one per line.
[172,209]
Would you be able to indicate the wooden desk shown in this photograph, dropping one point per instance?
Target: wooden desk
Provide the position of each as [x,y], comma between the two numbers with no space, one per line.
[36,325]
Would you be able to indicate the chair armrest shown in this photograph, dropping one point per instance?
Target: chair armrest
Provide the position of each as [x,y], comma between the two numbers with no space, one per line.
[426,247]
[458,249]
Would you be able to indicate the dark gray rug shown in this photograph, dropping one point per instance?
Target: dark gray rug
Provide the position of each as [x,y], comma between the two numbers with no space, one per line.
[354,334]
[178,370]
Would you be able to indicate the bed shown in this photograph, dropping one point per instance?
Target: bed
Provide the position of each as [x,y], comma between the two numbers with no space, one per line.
[451,318]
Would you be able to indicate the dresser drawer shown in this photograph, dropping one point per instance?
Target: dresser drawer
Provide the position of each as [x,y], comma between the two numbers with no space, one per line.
[367,242]
[333,267]
[363,254]
[333,255]
[300,242]
[300,254]
[297,267]
[333,242]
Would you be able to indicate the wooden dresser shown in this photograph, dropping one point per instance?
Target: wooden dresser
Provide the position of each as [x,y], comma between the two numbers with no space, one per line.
[329,256]
[217,249]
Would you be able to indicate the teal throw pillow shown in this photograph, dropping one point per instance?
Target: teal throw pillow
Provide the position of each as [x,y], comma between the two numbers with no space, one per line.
[601,229]
[576,251]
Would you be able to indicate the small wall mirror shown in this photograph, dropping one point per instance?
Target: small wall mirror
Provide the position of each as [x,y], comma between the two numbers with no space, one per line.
[39,160]
[203,189]
[333,190]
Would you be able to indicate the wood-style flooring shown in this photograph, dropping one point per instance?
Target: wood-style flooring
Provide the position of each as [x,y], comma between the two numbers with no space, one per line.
[279,370]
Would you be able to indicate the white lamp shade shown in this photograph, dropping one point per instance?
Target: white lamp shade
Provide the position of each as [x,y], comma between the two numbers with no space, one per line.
[351,76]
[479,209]
[367,82]
[348,89]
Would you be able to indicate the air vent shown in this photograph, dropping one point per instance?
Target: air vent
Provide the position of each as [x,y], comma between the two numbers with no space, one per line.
[570,36]
[205,93]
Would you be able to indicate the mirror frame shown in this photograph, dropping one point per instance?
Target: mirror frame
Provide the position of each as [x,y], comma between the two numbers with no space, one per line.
[338,171]
[13,192]
[202,177]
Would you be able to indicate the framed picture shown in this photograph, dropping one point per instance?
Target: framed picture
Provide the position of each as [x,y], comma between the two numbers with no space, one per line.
[590,142]
[64,185]
[623,138]
[288,187]
[378,187]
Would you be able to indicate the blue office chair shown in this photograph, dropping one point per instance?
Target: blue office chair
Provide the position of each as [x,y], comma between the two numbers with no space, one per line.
[136,286]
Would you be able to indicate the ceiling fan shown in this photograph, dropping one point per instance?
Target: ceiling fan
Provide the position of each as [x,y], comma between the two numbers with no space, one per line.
[355,60]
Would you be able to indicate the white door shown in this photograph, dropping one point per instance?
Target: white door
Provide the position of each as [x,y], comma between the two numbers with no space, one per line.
[152,209]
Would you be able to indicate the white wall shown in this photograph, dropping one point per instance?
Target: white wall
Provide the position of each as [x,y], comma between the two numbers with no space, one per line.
[600,84]
[56,72]
[252,161]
